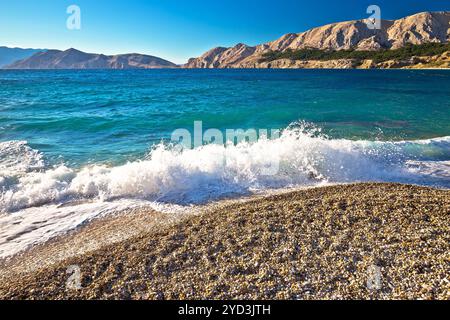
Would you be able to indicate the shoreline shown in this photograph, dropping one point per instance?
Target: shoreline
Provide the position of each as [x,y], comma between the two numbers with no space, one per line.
[91,236]
[397,228]
[119,226]
[163,214]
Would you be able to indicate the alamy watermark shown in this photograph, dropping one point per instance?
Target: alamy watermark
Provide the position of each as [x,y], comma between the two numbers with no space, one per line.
[74,20]
[74,280]
[374,281]
[374,21]
[182,139]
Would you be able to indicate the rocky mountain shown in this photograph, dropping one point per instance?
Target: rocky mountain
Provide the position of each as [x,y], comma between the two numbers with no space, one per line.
[417,29]
[10,55]
[75,59]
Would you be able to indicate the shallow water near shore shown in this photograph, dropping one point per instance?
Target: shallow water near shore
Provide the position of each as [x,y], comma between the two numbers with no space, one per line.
[76,145]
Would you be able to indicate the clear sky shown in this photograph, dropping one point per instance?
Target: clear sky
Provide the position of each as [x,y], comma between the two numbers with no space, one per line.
[179,29]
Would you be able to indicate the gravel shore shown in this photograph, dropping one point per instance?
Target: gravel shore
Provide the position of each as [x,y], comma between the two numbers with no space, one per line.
[362,241]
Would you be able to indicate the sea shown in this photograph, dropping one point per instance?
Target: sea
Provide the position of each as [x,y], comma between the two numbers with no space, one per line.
[82,144]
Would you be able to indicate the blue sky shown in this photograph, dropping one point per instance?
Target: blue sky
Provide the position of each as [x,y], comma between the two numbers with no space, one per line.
[177,29]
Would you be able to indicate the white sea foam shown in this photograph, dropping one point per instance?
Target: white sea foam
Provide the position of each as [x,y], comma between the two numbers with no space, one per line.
[17,156]
[40,197]
[214,171]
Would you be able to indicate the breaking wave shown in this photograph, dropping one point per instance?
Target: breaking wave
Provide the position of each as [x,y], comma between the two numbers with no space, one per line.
[39,202]
[298,158]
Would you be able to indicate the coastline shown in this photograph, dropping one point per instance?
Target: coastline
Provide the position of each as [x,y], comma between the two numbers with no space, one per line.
[213,159]
[91,236]
[113,228]
[315,243]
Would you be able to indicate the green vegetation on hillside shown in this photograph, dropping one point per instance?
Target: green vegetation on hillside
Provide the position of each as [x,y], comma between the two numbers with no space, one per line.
[428,49]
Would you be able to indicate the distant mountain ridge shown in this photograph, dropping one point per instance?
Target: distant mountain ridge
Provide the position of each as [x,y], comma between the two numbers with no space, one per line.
[417,29]
[75,59]
[10,55]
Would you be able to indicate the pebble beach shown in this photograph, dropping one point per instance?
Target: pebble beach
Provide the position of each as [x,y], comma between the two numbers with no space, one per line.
[359,241]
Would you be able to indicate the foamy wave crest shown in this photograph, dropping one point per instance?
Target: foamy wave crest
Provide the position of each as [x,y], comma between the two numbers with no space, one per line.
[168,175]
[17,156]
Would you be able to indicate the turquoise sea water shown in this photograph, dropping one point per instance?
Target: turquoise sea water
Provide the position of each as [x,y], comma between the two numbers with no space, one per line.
[80,117]
[75,145]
